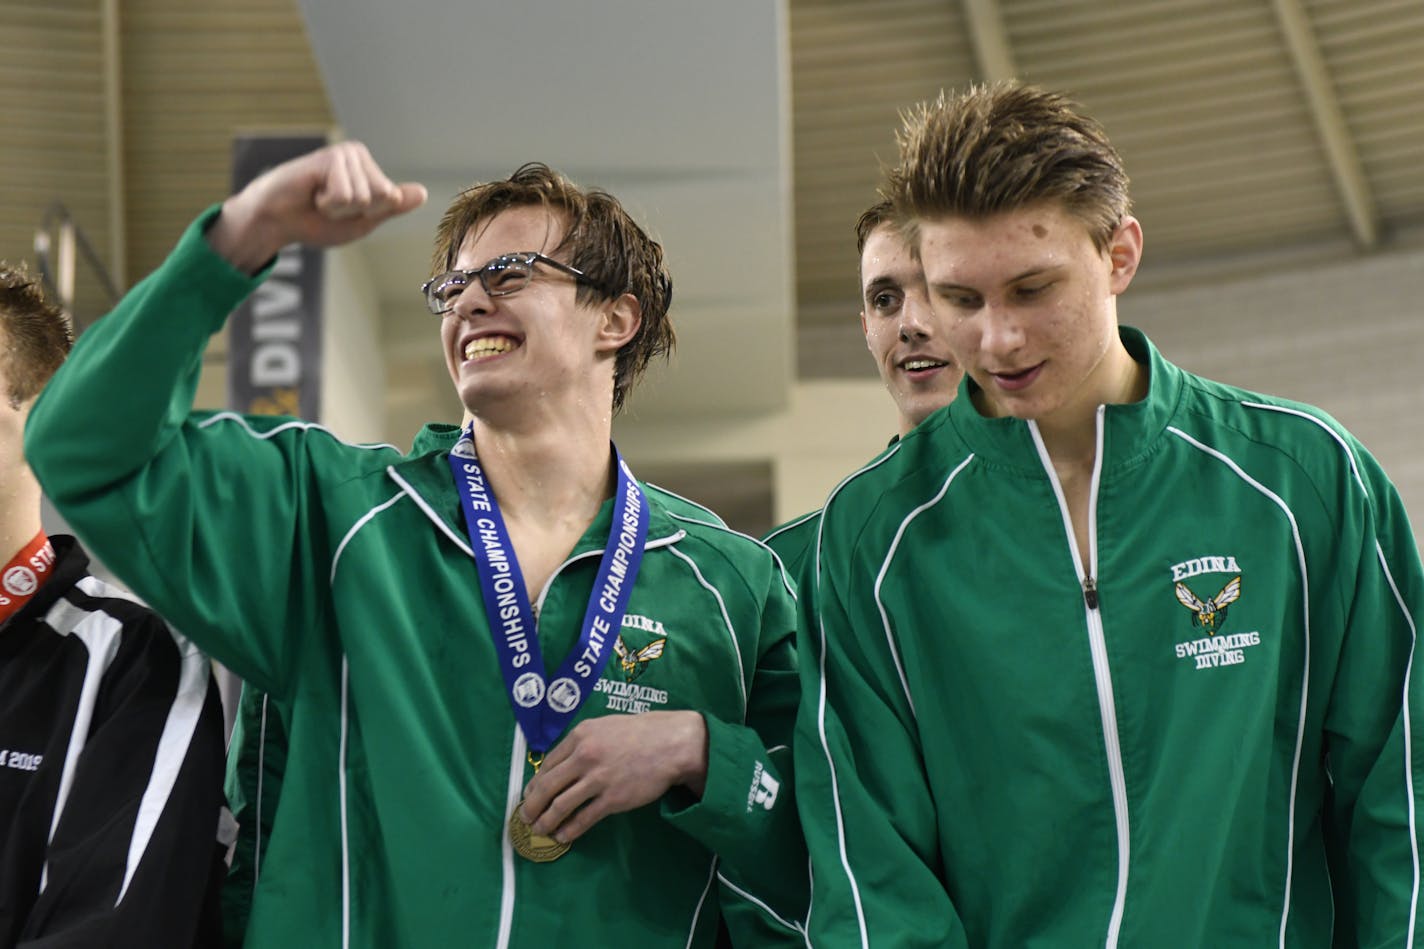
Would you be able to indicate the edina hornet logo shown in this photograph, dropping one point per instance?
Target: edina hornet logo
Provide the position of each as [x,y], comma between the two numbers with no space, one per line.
[1210,614]
[633,663]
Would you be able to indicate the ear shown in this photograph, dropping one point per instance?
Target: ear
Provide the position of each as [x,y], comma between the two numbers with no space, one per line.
[865,329]
[1125,253]
[620,321]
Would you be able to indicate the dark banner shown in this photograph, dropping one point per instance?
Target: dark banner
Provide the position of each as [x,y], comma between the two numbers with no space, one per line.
[274,338]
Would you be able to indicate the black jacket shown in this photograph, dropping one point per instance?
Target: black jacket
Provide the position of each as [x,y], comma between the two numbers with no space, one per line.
[111,766]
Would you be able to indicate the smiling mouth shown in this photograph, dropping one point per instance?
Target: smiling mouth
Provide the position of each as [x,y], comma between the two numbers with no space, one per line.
[920,365]
[487,346]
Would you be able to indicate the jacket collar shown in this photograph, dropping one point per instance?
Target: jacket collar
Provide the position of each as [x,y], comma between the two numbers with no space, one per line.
[426,474]
[70,565]
[1131,430]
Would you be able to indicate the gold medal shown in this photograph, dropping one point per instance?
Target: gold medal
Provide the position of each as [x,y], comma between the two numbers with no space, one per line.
[532,846]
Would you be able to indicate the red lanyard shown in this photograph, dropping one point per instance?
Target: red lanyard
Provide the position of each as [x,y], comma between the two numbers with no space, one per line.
[22,576]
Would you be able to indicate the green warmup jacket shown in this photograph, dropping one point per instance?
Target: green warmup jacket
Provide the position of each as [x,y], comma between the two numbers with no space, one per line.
[1209,738]
[795,541]
[256,763]
[338,578]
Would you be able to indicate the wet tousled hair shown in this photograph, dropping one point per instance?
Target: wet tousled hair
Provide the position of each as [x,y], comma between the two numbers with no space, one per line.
[872,218]
[35,334]
[600,239]
[1002,147]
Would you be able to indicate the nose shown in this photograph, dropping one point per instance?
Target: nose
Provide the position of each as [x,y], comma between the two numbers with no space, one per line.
[473,301]
[1001,332]
[914,321]
[910,332]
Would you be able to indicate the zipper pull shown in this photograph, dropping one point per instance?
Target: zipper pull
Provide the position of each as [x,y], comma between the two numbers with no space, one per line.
[1090,592]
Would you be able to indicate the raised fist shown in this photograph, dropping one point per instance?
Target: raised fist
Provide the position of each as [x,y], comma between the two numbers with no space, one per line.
[328,197]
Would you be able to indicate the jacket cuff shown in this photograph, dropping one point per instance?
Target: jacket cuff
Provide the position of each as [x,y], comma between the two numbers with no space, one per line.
[738,779]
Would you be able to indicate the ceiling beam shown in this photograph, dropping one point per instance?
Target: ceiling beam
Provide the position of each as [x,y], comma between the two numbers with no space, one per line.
[1325,108]
[991,40]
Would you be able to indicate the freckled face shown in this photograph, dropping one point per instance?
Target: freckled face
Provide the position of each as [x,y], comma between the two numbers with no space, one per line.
[902,332]
[1030,307]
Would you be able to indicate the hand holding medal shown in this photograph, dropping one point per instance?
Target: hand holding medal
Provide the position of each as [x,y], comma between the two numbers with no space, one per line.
[542,711]
[612,764]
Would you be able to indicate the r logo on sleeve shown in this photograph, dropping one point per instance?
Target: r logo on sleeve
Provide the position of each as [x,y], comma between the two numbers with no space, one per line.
[763,790]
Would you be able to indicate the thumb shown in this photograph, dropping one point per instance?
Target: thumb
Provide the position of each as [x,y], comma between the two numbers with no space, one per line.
[412,196]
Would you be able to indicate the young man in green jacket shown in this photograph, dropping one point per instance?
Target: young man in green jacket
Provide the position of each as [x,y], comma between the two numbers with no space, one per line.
[904,337]
[1106,654]
[456,637]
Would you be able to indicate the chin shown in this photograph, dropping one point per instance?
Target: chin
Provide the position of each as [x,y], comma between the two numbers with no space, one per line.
[470,395]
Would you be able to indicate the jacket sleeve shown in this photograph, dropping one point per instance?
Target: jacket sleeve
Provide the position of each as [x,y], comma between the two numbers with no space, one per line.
[171,502]
[747,814]
[865,804]
[135,859]
[1374,723]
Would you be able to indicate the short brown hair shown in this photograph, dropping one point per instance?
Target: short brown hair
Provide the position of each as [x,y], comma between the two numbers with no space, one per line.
[601,240]
[878,214]
[36,334]
[1005,146]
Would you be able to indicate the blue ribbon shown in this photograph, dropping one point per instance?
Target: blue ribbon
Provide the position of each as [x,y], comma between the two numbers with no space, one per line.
[543,708]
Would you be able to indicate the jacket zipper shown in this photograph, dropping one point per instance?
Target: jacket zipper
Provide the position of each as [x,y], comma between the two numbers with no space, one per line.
[1097,645]
[515,790]
[520,750]
[1090,592]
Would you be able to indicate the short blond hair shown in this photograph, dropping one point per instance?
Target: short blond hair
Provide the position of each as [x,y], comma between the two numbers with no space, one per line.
[1005,146]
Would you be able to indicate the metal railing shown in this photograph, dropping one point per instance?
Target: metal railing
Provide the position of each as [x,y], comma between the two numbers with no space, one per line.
[60,246]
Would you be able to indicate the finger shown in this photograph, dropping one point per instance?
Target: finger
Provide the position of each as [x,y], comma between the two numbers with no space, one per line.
[333,196]
[563,806]
[536,797]
[581,821]
[412,196]
[385,195]
[361,196]
[566,746]
[543,788]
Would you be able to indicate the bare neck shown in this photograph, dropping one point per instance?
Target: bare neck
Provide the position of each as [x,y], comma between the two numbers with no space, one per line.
[1071,443]
[1070,434]
[547,475]
[19,511]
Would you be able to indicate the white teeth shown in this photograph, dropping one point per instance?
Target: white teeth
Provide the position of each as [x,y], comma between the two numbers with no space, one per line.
[488,346]
[914,364]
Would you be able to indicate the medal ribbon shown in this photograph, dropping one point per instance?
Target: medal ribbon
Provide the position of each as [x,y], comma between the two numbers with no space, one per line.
[23,575]
[544,709]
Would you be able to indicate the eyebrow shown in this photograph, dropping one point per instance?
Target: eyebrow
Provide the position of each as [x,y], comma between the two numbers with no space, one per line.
[1017,278]
[880,283]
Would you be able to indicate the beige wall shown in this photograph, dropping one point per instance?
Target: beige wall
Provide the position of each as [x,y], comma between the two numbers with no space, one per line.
[56,143]
[353,382]
[830,429]
[1345,335]
[194,76]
